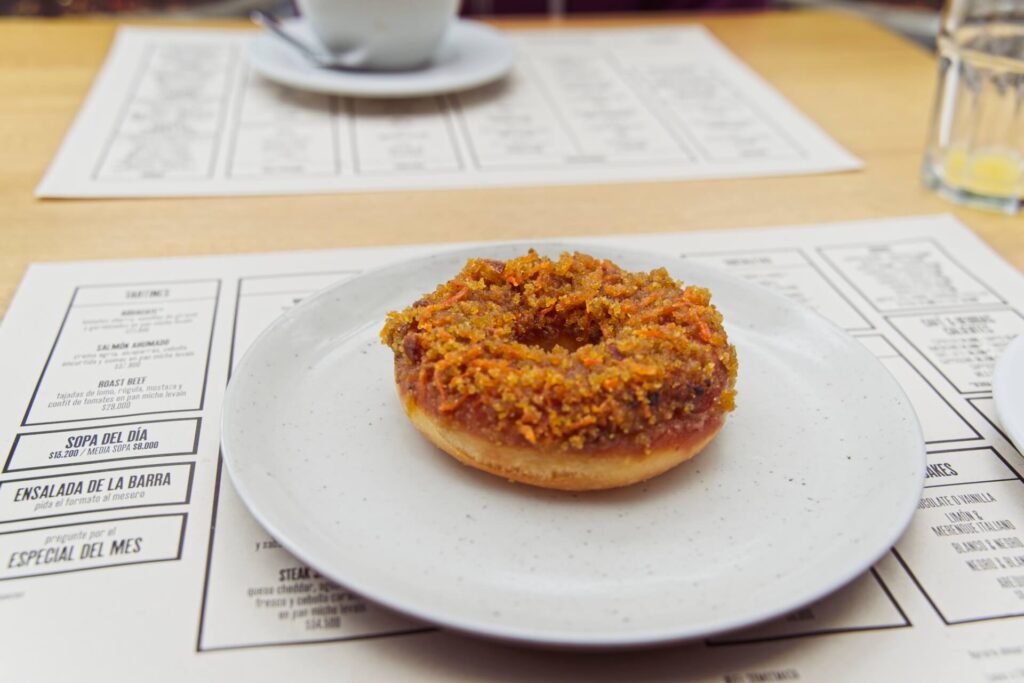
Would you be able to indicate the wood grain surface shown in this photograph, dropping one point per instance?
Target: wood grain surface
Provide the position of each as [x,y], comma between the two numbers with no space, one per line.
[869,89]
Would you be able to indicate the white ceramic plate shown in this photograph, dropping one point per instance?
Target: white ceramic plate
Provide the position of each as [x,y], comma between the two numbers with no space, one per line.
[471,55]
[1008,391]
[813,478]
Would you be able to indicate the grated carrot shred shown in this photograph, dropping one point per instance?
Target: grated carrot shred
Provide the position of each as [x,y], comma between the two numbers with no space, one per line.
[534,350]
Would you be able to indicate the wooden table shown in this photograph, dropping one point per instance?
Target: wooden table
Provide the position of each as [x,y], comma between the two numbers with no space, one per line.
[869,89]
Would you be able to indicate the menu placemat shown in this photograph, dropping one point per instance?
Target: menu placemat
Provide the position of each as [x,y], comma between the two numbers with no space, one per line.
[125,553]
[178,112]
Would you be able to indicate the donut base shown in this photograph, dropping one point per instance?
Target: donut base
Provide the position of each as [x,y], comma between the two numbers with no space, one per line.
[563,470]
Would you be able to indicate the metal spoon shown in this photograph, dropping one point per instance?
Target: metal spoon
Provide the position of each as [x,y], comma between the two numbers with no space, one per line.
[352,59]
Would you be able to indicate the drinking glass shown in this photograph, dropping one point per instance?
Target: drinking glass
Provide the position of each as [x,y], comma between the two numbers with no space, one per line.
[975,151]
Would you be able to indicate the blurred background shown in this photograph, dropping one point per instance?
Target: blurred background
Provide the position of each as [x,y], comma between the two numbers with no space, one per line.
[916,19]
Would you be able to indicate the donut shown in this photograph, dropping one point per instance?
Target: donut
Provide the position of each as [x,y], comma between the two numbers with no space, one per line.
[566,373]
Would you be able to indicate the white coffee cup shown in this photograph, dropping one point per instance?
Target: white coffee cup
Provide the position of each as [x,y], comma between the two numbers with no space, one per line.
[380,34]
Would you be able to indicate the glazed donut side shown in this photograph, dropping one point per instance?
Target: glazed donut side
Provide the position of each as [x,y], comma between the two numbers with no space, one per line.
[608,468]
[570,374]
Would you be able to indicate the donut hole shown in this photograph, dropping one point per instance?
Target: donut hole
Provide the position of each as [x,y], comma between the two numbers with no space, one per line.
[569,337]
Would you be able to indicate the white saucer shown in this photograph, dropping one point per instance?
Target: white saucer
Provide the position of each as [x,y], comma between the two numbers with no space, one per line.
[471,55]
[1008,391]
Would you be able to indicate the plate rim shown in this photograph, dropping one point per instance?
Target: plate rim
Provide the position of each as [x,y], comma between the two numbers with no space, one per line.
[1002,391]
[569,641]
[361,84]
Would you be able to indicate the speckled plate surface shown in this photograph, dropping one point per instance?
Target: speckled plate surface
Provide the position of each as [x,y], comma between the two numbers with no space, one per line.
[1008,391]
[814,477]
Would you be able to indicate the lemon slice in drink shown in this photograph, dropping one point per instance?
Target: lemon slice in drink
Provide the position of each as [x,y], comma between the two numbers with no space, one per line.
[993,173]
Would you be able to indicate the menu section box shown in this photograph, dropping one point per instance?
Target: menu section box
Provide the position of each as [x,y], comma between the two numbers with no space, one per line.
[792,274]
[128,350]
[108,443]
[964,547]
[966,466]
[91,545]
[904,275]
[940,422]
[963,347]
[113,489]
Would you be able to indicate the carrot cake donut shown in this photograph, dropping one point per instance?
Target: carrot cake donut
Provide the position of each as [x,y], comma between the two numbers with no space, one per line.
[569,374]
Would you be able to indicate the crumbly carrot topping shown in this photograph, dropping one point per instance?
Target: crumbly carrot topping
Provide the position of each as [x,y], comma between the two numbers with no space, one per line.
[571,353]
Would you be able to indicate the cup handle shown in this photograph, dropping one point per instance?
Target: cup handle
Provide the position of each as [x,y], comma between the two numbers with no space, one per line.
[350,59]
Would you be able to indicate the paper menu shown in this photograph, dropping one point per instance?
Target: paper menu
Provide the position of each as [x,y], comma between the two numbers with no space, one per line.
[122,539]
[178,112]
